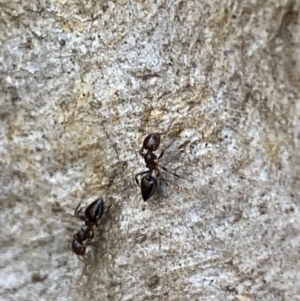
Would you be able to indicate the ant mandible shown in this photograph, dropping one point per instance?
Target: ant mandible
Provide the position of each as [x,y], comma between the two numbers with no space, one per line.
[150,145]
[91,216]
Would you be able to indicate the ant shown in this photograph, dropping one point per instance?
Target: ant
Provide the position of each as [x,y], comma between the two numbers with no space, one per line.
[150,145]
[91,216]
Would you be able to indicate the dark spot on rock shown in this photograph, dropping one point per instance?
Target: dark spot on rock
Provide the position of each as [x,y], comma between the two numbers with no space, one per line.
[153,281]
[37,277]
[62,42]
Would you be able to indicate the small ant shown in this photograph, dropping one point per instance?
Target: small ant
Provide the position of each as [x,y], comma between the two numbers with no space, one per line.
[150,145]
[91,216]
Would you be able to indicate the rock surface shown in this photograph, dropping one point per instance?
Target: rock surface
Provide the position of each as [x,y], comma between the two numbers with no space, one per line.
[82,84]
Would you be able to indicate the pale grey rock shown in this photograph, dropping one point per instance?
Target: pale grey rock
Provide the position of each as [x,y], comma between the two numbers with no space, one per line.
[83,82]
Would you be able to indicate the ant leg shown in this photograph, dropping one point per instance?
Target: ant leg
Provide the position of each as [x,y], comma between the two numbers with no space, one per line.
[82,260]
[76,209]
[167,131]
[107,210]
[141,152]
[165,148]
[139,174]
[78,212]
[92,244]
[107,207]
[159,175]
[162,153]
[172,173]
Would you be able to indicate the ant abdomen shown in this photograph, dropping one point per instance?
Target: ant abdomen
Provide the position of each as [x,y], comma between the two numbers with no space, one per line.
[94,211]
[148,186]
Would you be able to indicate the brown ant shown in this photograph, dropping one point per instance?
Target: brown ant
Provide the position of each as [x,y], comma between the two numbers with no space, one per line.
[91,216]
[150,145]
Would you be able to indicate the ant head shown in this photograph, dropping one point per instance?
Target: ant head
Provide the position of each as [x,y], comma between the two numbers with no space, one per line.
[94,211]
[151,142]
[148,186]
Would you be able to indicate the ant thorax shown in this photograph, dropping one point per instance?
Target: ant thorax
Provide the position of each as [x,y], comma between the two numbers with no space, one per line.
[150,156]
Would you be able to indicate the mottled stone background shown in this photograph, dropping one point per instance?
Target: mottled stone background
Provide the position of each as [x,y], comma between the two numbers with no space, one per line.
[83,82]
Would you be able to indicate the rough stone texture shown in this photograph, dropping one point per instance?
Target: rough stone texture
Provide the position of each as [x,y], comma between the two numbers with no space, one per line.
[83,82]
